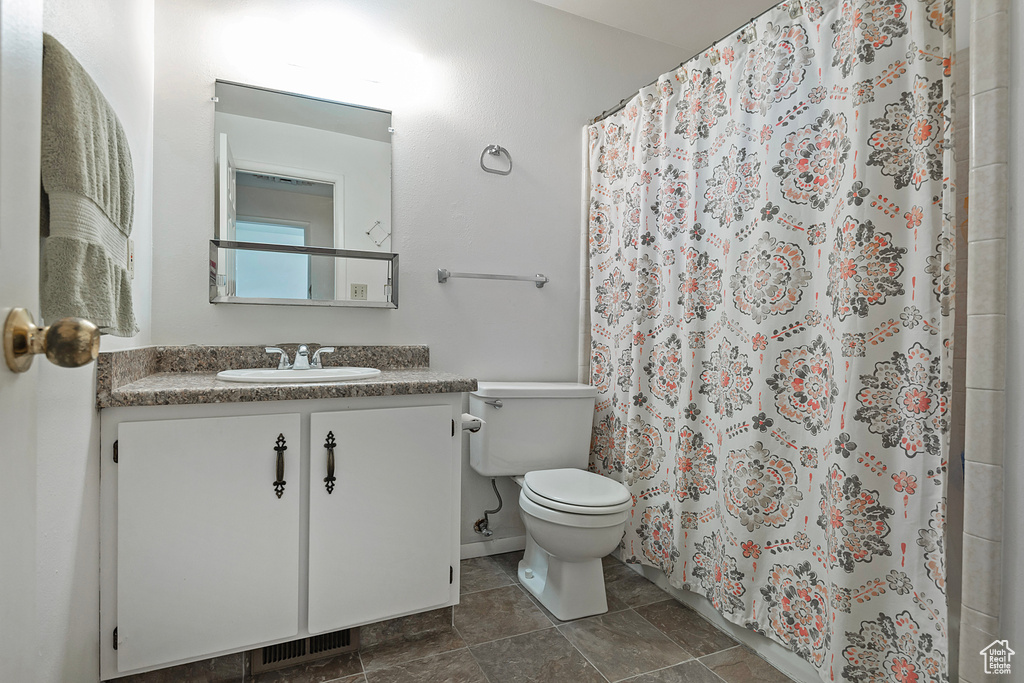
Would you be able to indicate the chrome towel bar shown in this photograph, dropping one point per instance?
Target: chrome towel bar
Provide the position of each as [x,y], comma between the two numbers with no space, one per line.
[540,280]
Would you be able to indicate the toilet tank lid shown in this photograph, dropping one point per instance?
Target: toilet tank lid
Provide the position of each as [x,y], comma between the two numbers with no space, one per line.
[534,390]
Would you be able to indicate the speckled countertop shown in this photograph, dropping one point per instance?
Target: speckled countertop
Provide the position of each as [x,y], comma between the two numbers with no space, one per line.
[180,375]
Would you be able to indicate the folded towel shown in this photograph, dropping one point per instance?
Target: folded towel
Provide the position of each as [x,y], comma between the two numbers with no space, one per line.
[88,199]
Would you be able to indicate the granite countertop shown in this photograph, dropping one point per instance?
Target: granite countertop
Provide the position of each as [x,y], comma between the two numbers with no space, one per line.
[188,375]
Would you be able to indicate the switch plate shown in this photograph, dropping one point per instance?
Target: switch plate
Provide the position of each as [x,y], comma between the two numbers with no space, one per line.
[358,292]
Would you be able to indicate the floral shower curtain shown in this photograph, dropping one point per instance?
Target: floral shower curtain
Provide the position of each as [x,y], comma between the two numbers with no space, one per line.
[771,258]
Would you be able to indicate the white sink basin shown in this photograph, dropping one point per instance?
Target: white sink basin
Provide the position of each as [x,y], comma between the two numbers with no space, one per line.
[269,375]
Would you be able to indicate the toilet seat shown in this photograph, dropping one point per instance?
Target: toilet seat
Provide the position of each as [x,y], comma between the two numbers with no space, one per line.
[576,491]
[572,519]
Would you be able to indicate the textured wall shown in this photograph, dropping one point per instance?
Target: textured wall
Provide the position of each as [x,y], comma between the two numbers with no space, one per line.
[507,72]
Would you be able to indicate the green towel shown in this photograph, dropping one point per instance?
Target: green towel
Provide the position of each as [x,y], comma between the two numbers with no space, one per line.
[88,200]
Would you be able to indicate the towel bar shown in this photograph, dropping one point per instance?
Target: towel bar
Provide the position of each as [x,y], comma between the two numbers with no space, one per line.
[540,280]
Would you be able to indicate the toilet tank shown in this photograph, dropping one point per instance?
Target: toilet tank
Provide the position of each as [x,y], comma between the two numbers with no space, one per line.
[538,426]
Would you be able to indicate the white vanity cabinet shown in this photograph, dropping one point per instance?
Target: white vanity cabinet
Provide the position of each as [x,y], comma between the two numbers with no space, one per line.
[208,552]
[200,556]
[374,527]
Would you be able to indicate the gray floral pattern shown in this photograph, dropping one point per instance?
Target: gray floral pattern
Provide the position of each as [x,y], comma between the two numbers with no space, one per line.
[771,264]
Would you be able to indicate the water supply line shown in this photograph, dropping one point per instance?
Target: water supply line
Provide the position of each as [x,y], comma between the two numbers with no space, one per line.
[482,526]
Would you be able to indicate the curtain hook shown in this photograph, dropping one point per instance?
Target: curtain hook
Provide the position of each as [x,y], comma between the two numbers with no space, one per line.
[749,34]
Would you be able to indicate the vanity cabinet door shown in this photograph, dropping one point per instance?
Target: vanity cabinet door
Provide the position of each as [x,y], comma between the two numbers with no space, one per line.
[207,536]
[380,533]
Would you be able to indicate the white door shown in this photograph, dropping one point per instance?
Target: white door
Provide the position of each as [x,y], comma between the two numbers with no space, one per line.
[227,204]
[20,101]
[207,536]
[380,541]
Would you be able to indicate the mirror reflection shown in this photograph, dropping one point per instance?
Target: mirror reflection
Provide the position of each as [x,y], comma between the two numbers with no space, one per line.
[296,171]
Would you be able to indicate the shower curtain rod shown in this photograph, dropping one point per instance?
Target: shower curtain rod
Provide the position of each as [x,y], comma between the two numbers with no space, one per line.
[622,103]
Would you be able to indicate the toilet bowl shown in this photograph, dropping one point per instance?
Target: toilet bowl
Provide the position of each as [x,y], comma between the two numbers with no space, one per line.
[566,540]
[573,517]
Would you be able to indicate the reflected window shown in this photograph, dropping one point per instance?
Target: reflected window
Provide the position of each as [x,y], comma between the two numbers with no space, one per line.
[265,275]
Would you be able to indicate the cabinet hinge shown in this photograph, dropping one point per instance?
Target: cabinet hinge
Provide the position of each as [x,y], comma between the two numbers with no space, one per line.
[115,451]
[115,637]
[451,575]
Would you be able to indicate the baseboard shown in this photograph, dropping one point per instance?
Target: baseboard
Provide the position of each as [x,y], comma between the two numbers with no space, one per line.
[495,546]
[775,654]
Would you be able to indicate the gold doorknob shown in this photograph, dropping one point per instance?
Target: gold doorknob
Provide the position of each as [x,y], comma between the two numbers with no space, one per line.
[69,342]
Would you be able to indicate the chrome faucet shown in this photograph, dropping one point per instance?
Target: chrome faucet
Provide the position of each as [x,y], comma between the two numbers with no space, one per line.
[301,358]
[283,363]
[316,363]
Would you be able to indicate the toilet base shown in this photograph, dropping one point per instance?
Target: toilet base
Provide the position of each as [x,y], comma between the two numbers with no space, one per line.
[569,590]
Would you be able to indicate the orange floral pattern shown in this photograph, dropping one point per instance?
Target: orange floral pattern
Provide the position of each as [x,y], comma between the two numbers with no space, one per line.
[771,296]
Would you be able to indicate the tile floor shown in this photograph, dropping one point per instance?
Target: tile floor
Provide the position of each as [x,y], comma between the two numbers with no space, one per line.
[499,634]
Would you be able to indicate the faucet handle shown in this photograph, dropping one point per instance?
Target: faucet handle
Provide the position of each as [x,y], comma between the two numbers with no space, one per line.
[283,364]
[316,362]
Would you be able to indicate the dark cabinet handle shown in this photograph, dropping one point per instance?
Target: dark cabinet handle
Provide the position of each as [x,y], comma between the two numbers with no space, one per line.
[280,448]
[329,479]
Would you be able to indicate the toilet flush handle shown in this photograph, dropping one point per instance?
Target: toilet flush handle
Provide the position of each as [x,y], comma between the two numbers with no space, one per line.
[496,403]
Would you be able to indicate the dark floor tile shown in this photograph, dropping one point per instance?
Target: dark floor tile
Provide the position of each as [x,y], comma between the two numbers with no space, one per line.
[610,561]
[229,668]
[497,613]
[480,574]
[400,650]
[614,605]
[687,672]
[683,625]
[405,627]
[539,656]
[320,671]
[450,667]
[626,585]
[622,644]
[740,665]
[509,563]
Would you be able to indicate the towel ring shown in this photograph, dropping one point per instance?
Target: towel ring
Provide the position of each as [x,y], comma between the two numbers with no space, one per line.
[496,151]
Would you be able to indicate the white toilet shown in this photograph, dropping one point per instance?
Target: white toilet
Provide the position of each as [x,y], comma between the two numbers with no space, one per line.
[573,517]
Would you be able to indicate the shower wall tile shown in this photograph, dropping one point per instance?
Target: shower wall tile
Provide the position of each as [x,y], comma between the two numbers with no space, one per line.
[989,206]
[983,592]
[984,8]
[986,364]
[972,665]
[986,277]
[985,419]
[990,68]
[984,430]
[990,128]
[983,501]
[979,620]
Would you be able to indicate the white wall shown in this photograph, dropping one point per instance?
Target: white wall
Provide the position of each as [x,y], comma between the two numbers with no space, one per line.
[364,166]
[465,74]
[113,39]
[1013,513]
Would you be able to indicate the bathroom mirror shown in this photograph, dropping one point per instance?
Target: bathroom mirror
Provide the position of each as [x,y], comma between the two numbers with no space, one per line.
[309,179]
